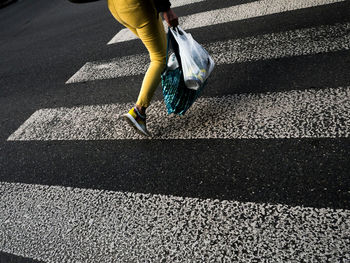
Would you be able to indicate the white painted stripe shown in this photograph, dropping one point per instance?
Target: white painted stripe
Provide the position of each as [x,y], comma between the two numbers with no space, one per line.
[63,224]
[122,36]
[177,3]
[293,114]
[234,13]
[125,34]
[299,42]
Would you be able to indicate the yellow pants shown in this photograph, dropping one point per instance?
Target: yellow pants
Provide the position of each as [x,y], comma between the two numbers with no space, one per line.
[140,16]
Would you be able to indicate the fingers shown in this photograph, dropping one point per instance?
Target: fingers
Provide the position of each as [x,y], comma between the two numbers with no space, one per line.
[171,18]
[174,22]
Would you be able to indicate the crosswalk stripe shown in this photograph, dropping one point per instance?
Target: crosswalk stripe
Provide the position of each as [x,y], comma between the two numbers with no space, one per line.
[177,3]
[125,34]
[234,13]
[308,41]
[54,224]
[294,114]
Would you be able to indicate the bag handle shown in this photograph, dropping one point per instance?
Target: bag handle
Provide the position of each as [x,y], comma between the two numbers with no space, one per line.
[175,47]
[167,47]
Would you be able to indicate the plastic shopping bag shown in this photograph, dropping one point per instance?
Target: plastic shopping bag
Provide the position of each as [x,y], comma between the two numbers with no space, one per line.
[196,62]
[177,97]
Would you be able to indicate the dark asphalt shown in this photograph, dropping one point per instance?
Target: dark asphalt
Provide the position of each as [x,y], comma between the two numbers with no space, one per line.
[9,258]
[43,43]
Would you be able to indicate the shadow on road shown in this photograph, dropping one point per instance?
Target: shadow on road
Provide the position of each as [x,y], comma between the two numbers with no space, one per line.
[4,3]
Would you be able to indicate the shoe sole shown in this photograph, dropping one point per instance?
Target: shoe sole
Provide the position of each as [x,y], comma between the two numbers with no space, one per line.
[133,123]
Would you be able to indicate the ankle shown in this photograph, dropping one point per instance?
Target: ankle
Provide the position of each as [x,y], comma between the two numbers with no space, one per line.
[142,110]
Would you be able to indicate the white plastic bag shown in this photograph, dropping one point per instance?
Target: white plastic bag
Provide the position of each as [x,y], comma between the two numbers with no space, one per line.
[196,62]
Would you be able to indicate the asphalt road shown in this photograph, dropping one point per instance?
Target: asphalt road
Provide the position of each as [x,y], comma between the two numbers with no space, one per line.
[279,161]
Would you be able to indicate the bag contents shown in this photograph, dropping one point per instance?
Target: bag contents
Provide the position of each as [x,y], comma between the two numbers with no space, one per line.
[196,62]
[172,62]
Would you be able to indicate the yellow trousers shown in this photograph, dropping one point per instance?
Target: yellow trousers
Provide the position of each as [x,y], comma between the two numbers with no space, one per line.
[141,17]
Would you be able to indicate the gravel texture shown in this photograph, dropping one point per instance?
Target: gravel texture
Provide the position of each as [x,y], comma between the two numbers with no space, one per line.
[58,224]
[293,114]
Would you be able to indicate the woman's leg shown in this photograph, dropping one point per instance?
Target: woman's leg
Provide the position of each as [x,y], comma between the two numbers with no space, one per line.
[142,19]
[154,39]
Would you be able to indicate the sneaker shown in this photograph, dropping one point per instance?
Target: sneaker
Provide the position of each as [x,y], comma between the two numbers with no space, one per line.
[137,121]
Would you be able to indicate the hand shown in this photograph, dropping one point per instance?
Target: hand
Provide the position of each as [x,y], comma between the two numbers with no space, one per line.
[171,18]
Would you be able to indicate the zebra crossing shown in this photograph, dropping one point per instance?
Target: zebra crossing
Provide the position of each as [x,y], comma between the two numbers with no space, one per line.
[132,227]
[307,41]
[294,114]
[234,13]
[71,224]
[300,42]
